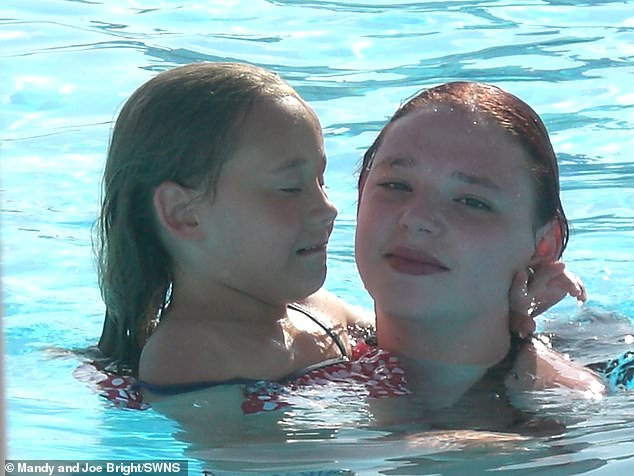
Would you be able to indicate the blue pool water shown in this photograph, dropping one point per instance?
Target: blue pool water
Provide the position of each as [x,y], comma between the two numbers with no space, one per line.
[67,66]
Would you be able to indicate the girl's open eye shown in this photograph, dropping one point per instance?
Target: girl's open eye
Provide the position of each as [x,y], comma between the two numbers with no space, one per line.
[474,203]
[395,185]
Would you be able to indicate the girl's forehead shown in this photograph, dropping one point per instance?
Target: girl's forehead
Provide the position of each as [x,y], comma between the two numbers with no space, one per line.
[443,128]
[454,141]
[465,116]
[278,113]
[276,133]
[286,105]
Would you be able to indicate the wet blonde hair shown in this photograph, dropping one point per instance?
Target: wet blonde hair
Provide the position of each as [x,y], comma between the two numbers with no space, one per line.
[180,126]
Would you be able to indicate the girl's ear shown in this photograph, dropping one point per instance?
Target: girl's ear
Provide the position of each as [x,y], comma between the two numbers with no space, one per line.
[175,210]
[547,243]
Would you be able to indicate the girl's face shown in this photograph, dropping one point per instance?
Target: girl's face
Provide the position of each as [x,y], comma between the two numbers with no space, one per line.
[445,217]
[268,221]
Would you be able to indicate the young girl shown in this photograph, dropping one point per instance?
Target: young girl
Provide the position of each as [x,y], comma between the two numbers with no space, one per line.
[458,194]
[215,222]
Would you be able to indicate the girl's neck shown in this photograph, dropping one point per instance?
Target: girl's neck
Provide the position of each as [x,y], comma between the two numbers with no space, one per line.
[444,357]
[216,302]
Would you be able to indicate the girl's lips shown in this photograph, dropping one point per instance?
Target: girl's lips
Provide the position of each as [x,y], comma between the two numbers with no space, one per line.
[313,249]
[414,262]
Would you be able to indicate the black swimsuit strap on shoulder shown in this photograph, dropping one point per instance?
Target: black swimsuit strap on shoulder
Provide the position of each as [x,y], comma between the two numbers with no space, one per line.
[328,330]
[173,389]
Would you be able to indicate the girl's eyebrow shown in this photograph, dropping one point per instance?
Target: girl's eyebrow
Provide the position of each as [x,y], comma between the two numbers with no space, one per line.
[291,164]
[397,162]
[478,180]
[294,164]
[464,177]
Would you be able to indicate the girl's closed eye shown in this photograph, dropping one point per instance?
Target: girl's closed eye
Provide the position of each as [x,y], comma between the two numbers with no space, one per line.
[299,188]
[395,185]
[474,203]
[291,190]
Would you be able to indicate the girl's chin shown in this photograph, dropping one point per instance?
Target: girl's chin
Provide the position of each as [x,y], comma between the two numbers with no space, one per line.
[400,311]
[400,302]
[309,287]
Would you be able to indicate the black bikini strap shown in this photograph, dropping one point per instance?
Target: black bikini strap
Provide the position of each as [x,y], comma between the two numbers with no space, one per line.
[329,331]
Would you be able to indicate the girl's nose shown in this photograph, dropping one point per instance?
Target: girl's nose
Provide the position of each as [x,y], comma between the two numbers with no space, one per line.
[422,217]
[326,212]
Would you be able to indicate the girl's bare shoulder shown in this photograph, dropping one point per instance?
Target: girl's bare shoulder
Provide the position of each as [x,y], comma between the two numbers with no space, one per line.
[182,354]
[338,310]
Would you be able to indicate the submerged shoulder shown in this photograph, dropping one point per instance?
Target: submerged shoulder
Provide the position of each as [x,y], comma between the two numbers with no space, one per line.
[539,367]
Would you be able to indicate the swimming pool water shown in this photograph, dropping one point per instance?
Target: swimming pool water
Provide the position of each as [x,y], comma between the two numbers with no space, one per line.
[67,66]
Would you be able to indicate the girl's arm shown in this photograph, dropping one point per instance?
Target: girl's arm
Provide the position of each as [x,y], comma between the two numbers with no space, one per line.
[539,367]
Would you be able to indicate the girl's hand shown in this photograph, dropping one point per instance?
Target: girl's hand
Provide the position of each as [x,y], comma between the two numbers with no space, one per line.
[539,288]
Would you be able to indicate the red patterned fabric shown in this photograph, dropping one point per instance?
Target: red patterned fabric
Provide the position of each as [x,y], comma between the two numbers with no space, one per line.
[379,373]
[120,390]
[376,371]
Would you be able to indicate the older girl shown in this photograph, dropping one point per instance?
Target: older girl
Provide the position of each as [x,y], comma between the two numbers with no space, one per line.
[458,194]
